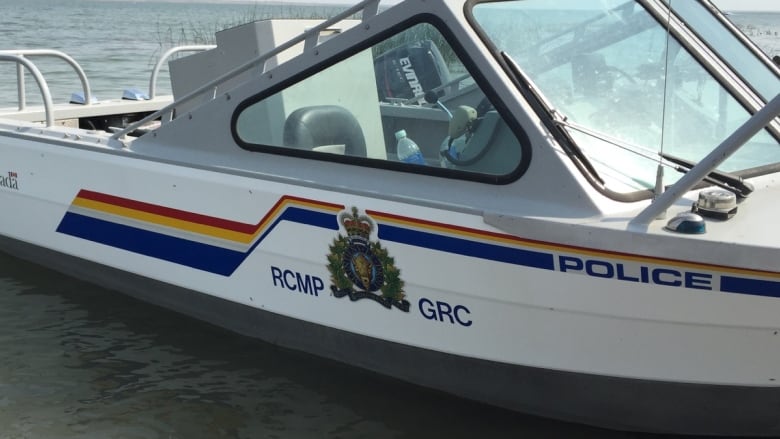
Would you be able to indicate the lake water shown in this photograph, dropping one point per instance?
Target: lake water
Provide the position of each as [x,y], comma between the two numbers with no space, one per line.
[118,42]
[78,361]
[762,27]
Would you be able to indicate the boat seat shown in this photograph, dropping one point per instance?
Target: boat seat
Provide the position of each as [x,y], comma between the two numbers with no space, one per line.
[320,125]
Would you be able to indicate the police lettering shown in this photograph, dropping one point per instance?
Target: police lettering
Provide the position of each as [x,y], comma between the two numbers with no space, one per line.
[294,281]
[642,274]
[444,312]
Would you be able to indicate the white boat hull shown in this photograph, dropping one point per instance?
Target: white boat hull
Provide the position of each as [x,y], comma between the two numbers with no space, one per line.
[520,264]
[502,319]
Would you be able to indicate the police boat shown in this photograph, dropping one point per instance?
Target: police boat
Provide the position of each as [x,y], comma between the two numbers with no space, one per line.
[563,208]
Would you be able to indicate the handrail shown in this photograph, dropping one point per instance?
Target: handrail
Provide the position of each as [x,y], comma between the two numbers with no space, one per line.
[57,54]
[47,102]
[168,54]
[369,8]
[756,123]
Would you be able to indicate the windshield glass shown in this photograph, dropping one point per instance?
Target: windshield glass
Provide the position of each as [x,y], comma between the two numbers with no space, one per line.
[608,66]
[720,39]
[407,103]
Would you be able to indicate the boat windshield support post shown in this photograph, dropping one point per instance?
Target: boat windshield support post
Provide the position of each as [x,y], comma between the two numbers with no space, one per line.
[756,123]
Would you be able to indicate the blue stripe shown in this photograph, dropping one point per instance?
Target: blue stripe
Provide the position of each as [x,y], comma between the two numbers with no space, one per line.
[465,247]
[309,217]
[181,251]
[756,287]
[213,259]
[223,261]
[300,216]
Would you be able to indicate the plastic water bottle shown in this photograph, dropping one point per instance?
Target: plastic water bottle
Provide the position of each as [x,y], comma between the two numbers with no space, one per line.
[407,150]
[455,148]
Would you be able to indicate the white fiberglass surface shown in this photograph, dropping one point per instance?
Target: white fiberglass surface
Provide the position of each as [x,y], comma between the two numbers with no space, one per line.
[613,68]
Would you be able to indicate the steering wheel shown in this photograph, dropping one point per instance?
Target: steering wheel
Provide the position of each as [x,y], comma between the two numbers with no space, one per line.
[484,106]
[473,127]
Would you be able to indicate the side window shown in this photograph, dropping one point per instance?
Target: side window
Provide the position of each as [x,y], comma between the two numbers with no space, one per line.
[407,99]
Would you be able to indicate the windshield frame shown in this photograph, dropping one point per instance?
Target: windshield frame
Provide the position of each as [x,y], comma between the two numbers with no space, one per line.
[745,43]
[471,68]
[699,50]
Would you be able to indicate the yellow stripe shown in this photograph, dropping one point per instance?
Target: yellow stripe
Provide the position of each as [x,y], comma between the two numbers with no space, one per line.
[581,251]
[201,229]
[161,220]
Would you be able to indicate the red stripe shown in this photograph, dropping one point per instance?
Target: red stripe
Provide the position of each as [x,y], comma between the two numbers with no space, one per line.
[168,212]
[451,227]
[194,217]
[561,247]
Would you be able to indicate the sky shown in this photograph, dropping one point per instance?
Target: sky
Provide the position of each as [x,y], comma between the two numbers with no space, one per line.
[726,5]
[748,5]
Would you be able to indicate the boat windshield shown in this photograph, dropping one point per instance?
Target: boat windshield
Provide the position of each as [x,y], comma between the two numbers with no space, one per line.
[612,68]
[725,42]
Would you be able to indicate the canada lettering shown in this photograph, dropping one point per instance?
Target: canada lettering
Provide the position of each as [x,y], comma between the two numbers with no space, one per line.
[9,181]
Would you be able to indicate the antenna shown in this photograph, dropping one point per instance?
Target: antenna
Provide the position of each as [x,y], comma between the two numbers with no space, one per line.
[659,175]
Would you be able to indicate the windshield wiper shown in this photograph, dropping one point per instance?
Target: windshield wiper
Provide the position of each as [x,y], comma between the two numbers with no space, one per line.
[569,146]
[721,179]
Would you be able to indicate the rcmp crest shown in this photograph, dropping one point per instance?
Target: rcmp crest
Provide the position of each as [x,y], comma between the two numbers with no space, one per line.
[362,269]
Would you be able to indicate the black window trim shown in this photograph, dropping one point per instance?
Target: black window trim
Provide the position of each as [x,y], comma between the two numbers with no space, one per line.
[490,93]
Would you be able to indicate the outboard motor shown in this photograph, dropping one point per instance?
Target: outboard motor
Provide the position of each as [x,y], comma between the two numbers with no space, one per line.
[407,71]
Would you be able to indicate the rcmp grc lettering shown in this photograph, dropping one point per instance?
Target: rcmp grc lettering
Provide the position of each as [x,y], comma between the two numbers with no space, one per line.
[444,312]
[667,277]
[294,281]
